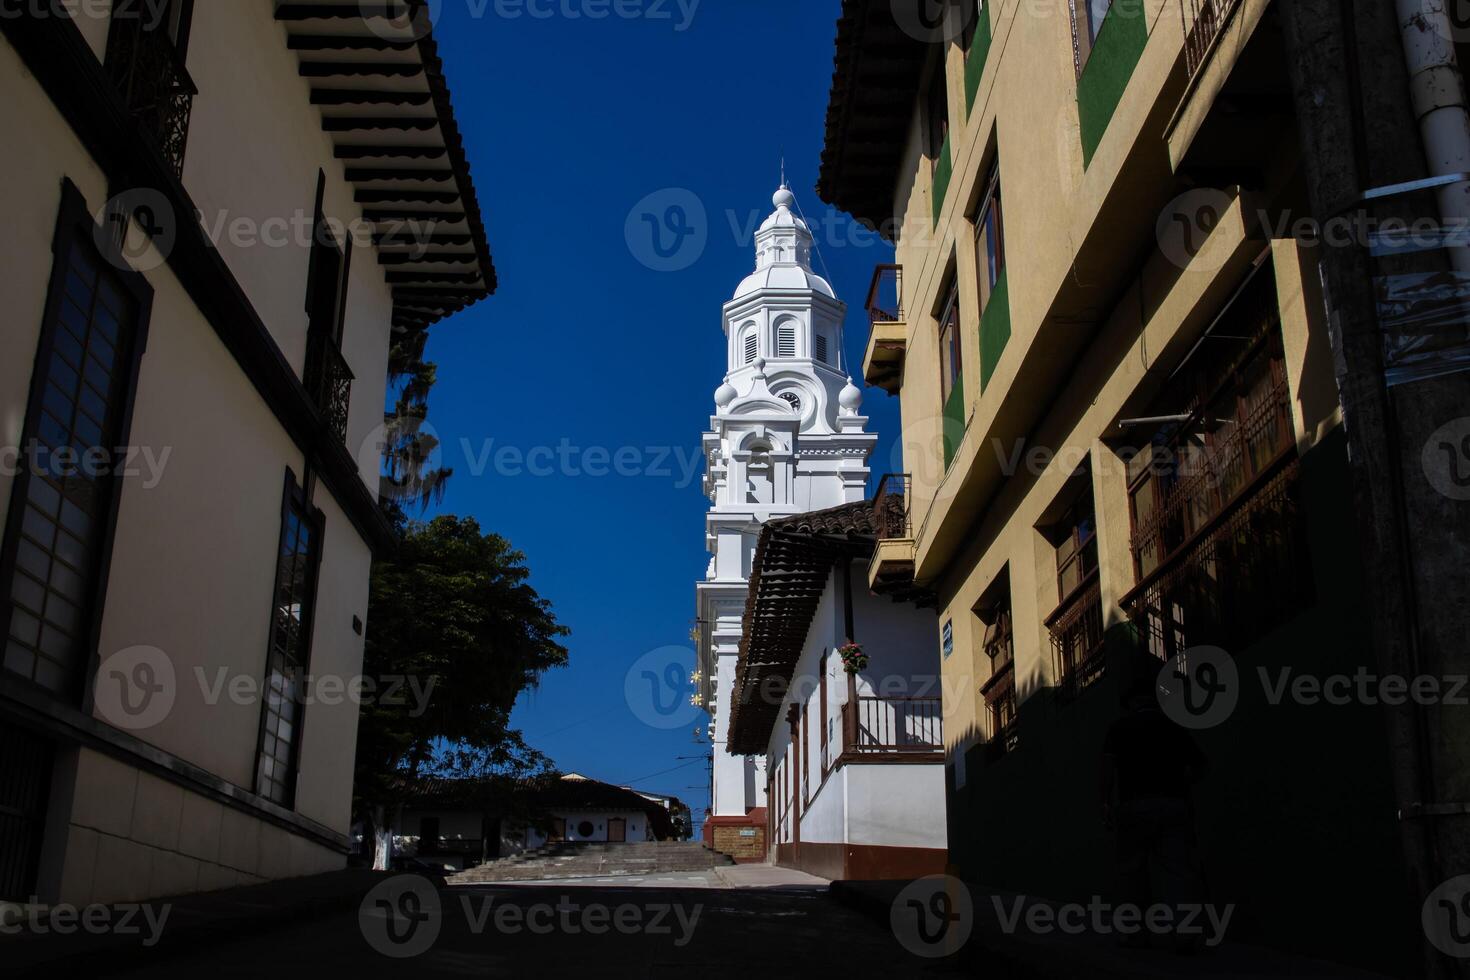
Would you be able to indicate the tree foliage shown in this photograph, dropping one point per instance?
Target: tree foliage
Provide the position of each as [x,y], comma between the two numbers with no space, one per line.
[409,474]
[453,615]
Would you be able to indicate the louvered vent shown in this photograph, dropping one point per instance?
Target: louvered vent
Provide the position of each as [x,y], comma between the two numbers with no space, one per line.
[822,348]
[786,342]
[750,347]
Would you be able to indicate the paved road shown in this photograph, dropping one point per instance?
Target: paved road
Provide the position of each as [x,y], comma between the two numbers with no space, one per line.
[685,926]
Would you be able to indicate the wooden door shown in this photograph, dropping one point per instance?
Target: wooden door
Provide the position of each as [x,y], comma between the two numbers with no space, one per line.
[617,830]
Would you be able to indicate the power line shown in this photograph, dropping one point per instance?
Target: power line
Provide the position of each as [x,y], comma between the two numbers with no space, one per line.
[630,782]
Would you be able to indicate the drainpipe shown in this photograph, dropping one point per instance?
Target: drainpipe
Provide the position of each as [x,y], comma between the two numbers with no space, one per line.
[1437,94]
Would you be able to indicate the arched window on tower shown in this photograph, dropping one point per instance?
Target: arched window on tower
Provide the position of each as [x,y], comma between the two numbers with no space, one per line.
[786,340]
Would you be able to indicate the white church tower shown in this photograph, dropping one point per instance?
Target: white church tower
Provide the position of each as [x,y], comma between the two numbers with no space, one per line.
[786,438]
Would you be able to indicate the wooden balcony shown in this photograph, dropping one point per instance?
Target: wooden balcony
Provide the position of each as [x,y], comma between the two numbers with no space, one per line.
[1076,628]
[887,330]
[891,570]
[897,729]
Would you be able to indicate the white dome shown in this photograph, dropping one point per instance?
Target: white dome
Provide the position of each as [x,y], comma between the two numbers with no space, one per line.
[784,277]
[783,218]
[725,394]
[851,397]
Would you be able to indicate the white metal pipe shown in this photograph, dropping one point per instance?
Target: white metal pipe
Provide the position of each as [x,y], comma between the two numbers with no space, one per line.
[1437,91]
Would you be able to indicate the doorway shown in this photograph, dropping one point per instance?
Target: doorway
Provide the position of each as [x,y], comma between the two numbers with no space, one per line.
[617,830]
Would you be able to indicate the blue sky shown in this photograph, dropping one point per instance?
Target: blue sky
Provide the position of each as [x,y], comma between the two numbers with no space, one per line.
[569,124]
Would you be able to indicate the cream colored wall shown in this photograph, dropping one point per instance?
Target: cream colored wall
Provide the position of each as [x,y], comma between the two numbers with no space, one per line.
[30,198]
[1026,110]
[132,836]
[255,147]
[194,556]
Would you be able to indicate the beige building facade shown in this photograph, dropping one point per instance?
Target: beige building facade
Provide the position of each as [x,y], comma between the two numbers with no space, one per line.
[192,414]
[1119,409]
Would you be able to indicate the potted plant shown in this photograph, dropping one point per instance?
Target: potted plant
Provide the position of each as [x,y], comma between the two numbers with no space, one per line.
[854,661]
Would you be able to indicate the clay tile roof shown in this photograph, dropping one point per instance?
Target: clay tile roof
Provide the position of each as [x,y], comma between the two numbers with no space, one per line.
[793,559]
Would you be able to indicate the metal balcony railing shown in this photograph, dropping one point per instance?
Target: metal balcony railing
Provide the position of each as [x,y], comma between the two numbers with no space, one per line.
[1203,22]
[329,380]
[155,85]
[892,509]
[876,725]
[885,295]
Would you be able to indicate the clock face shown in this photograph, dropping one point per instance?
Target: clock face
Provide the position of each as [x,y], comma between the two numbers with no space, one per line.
[793,399]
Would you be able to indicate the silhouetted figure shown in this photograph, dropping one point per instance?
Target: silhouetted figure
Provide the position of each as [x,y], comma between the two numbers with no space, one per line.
[1149,765]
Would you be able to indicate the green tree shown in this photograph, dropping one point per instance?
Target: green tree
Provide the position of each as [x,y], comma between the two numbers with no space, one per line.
[454,623]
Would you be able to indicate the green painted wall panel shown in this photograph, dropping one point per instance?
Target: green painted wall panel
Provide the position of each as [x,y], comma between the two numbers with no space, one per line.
[975,62]
[943,171]
[995,328]
[954,420]
[1119,45]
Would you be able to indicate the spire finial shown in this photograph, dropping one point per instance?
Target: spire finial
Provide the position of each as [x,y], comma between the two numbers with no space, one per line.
[784,185]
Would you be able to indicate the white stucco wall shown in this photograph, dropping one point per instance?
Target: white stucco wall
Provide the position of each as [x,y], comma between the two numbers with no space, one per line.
[876,804]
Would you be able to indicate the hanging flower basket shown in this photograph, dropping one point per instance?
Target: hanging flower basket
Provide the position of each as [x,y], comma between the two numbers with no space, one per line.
[854,661]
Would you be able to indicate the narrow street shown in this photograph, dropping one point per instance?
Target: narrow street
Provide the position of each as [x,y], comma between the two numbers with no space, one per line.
[674,923]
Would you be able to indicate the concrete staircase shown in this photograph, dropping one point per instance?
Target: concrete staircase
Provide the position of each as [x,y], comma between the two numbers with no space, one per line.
[569,860]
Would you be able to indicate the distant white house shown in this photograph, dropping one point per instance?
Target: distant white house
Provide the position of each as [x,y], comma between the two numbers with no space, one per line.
[461,823]
[855,760]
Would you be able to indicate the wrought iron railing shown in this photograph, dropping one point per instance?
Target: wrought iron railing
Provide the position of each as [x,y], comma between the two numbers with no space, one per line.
[885,295]
[329,380]
[888,725]
[892,513]
[1203,22]
[154,83]
[1076,628]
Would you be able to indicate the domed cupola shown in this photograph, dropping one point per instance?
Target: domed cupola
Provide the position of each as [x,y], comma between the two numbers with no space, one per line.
[783,252]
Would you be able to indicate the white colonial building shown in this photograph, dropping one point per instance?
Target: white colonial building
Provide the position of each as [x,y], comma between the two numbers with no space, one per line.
[786,438]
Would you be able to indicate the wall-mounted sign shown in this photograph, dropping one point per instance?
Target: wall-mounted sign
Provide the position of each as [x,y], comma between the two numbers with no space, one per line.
[946,638]
[747,831]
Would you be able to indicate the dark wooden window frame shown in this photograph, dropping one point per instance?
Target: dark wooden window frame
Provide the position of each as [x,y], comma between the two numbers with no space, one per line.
[986,253]
[75,225]
[298,498]
[950,336]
